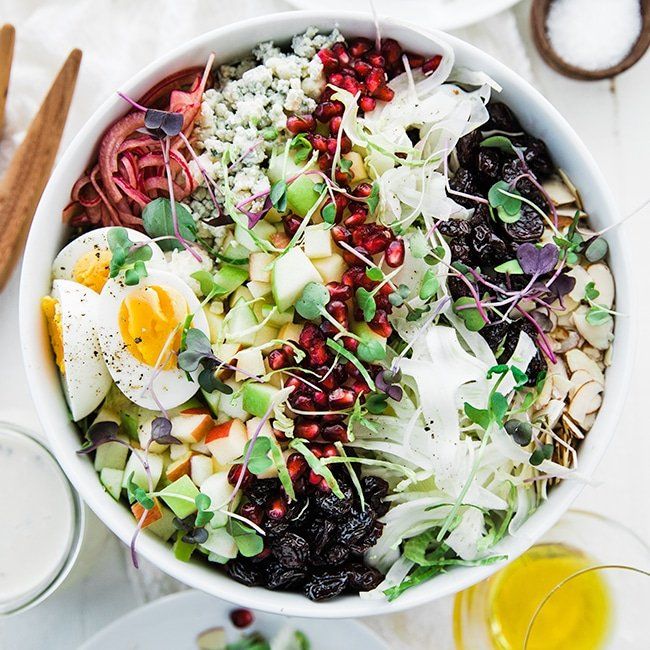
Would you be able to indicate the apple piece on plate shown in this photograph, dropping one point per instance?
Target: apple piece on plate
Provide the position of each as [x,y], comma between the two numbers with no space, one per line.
[177,451]
[259,267]
[301,195]
[179,467]
[277,318]
[221,543]
[112,455]
[134,466]
[265,335]
[154,514]
[290,332]
[190,425]
[318,241]
[257,398]
[330,269]
[218,488]
[229,277]
[292,272]
[230,406]
[200,468]
[259,289]
[249,362]
[182,487]
[241,323]
[212,639]
[164,527]
[357,167]
[112,479]
[226,441]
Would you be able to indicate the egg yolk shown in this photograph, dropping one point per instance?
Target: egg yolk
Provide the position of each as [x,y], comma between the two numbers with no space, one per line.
[150,320]
[92,269]
[52,311]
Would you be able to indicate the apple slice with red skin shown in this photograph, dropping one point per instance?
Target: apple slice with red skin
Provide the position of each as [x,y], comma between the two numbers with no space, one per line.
[226,441]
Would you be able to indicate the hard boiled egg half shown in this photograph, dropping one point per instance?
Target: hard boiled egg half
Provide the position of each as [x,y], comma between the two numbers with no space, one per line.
[70,311]
[86,259]
[139,329]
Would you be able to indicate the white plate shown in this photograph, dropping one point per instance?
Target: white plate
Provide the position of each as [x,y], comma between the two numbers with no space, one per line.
[438,14]
[175,622]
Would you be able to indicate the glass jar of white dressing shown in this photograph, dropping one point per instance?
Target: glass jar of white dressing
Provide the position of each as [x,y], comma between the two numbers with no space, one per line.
[41,521]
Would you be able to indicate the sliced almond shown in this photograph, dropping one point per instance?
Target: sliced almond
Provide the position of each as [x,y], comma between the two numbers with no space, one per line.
[571,427]
[571,341]
[599,336]
[582,278]
[607,359]
[564,319]
[570,186]
[589,421]
[558,191]
[552,412]
[561,386]
[593,353]
[578,360]
[545,395]
[578,380]
[604,282]
[567,212]
[586,400]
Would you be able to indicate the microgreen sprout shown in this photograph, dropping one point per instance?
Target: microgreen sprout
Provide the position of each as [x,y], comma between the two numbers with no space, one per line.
[598,314]
[127,256]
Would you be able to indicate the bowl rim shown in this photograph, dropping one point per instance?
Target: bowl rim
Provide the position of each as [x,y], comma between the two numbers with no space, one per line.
[208,579]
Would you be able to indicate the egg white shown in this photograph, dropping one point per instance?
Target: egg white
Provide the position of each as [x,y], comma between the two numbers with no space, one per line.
[131,376]
[86,380]
[96,240]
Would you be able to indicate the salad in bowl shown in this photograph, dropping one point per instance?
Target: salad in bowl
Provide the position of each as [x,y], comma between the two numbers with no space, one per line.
[330,319]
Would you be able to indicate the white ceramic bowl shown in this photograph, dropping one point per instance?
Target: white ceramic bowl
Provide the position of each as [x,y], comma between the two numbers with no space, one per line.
[48,234]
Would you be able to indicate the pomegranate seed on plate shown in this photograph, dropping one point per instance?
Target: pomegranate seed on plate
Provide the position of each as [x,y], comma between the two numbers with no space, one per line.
[375,59]
[432,64]
[415,60]
[384,93]
[367,104]
[342,398]
[307,429]
[376,77]
[328,59]
[252,512]
[241,617]
[391,50]
[395,253]
[336,79]
[339,291]
[362,68]
[301,123]
[277,509]
[380,324]
[335,433]
[360,46]
[277,360]
[296,466]
[341,53]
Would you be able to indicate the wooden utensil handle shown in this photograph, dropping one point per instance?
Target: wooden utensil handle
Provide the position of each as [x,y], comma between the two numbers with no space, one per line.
[7,37]
[29,170]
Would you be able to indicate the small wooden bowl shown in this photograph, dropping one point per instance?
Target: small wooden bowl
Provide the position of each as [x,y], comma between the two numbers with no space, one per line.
[538,15]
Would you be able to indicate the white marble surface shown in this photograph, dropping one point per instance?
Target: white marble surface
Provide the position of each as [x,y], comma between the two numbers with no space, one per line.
[611,117]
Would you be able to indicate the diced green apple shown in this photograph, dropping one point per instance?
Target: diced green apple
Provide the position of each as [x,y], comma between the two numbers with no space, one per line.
[112,479]
[218,488]
[261,230]
[134,466]
[177,451]
[301,195]
[241,319]
[184,487]
[265,334]
[221,543]
[229,277]
[240,293]
[226,441]
[259,289]
[212,639]
[163,527]
[292,272]
[230,406]
[331,268]
[200,468]
[112,455]
[249,362]
[290,332]
[215,323]
[357,168]
[257,398]
[318,241]
[278,318]
[259,267]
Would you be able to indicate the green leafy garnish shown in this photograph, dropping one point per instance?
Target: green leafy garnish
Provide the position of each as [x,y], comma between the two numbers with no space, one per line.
[511,266]
[375,273]
[367,304]
[472,316]
[249,543]
[339,349]
[302,147]
[317,466]
[373,199]
[429,286]
[158,222]
[329,213]
[370,350]
[278,195]
[498,142]
[506,201]
[312,301]
[127,256]
[259,460]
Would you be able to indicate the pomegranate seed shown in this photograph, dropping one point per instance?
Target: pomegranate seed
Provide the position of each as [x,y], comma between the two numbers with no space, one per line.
[308,429]
[355,219]
[384,93]
[262,555]
[356,276]
[352,258]
[341,398]
[323,486]
[363,190]
[395,253]
[376,60]
[296,466]
[325,161]
[333,418]
[328,329]
[362,69]
[339,292]
[335,125]
[301,123]
[325,111]
[277,360]
[241,617]
[346,144]
[319,356]
[342,178]
[340,233]
[304,403]
[328,451]
[374,238]
[291,223]
[341,53]
[391,50]
[277,509]
[380,324]
[332,143]
[360,46]
[341,203]
[432,64]
[367,104]
[252,512]
[320,399]
[295,383]
[351,85]
[376,78]
[288,351]
[352,370]
[233,476]
[339,311]
[328,59]
[326,95]
[335,433]
[336,79]
[349,343]
[360,387]
[314,479]
[319,142]
[415,60]
[310,336]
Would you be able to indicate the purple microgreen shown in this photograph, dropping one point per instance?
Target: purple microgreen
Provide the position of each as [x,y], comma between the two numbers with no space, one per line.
[542,320]
[162,124]
[387,381]
[160,223]
[255,217]
[99,434]
[161,432]
[195,536]
[562,285]
[542,341]
[537,261]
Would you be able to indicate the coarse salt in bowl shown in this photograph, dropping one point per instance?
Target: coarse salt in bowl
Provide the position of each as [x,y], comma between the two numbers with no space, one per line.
[48,233]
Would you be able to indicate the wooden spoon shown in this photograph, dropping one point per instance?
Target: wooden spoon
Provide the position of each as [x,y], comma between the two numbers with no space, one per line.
[7,37]
[25,179]
[538,15]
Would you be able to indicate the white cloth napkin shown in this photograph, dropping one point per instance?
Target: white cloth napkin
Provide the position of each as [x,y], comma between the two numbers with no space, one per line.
[119,37]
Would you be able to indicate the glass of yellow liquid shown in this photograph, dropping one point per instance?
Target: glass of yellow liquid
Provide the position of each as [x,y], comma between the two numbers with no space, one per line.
[585,586]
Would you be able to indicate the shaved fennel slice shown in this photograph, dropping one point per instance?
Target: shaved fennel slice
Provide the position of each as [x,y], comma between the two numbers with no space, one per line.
[521,358]
[464,538]
[398,571]
[469,77]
